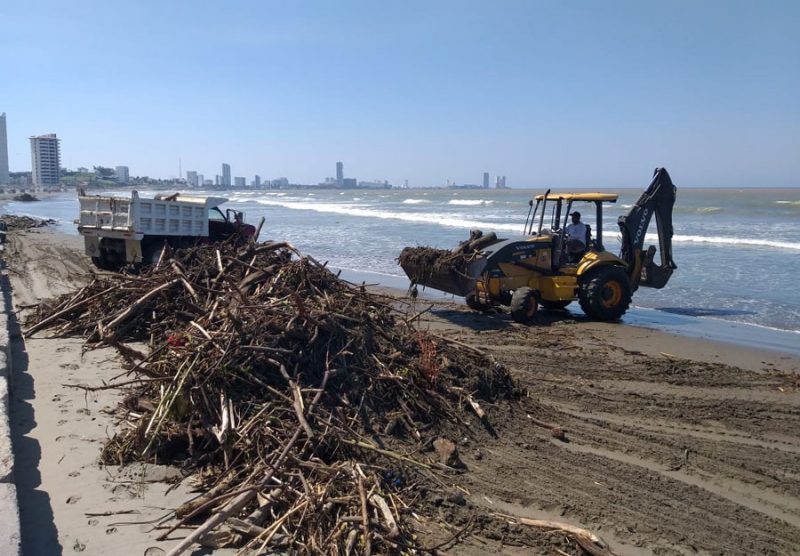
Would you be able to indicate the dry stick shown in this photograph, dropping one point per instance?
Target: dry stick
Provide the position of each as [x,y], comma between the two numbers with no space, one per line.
[364,516]
[391,524]
[244,498]
[43,323]
[137,305]
[566,527]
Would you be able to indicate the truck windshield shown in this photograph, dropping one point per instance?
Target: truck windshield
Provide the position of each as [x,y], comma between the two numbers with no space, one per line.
[215,214]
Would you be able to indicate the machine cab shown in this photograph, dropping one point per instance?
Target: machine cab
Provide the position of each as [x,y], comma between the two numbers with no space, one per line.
[554,210]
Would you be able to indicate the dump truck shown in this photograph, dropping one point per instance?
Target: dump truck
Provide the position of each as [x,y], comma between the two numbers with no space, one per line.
[119,231]
[544,268]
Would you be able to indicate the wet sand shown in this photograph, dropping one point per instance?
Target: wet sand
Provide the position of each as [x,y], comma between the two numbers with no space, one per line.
[675,445]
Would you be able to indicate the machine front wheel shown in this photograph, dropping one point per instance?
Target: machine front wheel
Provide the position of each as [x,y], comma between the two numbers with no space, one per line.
[606,293]
[475,304]
[523,305]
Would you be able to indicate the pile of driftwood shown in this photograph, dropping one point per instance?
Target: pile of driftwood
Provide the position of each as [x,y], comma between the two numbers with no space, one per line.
[302,404]
[13,222]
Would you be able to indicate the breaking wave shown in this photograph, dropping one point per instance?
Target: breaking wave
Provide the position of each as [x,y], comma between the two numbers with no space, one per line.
[441,219]
[415,201]
[469,202]
[721,240]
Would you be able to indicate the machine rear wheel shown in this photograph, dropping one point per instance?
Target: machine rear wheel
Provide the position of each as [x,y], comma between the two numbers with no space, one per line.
[523,305]
[554,305]
[606,293]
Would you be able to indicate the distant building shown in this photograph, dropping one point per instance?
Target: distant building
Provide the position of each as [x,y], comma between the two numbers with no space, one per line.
[240,182]
[123,174]
[257,181]
[339,174]
[377,184]
[349,183]
[191,178]
[201,180]
[500,183]
[218,181]
[82,170]
[45,160]
[4,178]
[279,182]
[486,180]
[226,175]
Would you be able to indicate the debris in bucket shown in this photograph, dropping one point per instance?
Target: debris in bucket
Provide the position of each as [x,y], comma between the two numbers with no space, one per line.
[300,403]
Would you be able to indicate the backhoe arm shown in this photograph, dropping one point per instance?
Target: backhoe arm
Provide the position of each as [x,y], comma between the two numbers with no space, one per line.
[658,198]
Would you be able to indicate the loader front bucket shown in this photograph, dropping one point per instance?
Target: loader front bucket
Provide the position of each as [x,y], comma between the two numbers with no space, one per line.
[442,270]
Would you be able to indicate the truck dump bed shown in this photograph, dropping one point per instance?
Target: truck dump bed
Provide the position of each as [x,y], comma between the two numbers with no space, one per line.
[134,217]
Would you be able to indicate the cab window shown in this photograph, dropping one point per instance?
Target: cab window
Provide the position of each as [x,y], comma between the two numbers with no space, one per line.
[216,214]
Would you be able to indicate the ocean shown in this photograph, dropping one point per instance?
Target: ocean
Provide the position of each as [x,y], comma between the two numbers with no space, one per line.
[737,250]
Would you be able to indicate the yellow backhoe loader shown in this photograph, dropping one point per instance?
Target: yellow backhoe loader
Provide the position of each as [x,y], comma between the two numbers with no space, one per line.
[548,268]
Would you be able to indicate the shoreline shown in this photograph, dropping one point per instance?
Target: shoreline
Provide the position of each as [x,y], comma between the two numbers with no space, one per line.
[660,428]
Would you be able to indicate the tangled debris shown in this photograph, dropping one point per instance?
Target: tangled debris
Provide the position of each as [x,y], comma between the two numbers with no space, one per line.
[25,198]
[13,222]
[302,404]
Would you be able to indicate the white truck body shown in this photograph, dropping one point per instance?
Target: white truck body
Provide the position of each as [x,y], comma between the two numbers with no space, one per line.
[132,219]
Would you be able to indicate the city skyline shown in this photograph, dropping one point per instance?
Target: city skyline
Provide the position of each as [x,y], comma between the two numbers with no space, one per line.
[557,95]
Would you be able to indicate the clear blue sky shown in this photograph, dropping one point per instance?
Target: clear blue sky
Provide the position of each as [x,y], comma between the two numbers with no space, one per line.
[561,93]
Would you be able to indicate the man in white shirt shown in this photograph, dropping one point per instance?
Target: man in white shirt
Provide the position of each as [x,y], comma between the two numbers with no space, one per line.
[576,235]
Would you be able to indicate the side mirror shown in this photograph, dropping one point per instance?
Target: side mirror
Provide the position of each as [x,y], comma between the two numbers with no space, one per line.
[530,202]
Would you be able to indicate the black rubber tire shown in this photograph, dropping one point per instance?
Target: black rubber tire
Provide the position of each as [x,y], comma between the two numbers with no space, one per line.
[523,305]
[474,303]
[554,305]
[151,253]
[103,264]
[606,293]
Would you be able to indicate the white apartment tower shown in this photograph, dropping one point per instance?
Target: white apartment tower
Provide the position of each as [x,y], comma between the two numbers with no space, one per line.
[192,178]
[45,161]
[226,175]
[3,150]
[339,174]
[123,174]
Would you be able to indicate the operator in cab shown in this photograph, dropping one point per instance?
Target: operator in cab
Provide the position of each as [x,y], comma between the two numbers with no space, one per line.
[577,236]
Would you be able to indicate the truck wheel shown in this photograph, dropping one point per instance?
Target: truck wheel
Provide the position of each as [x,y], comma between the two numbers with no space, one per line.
[523,305]
[151,253]
[554,305]
[606,293]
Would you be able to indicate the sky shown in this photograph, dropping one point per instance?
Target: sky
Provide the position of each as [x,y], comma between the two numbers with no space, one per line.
[559,93]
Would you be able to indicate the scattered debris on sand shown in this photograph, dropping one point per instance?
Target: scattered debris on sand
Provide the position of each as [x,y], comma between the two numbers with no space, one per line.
[13,222]
[25,198]
[306,408]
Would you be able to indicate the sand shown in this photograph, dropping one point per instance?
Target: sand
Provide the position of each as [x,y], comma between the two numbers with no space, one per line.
[675,445]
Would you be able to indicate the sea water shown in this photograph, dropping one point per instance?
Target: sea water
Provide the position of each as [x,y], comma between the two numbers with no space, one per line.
[737,250]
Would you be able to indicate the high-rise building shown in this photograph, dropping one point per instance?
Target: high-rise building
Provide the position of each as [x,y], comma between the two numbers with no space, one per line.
[226,175]
[3,150]
[191,178]
[201,180]
[339,174]
[486,180]
[240,181]
[257,181]
[123,174]
[45,160]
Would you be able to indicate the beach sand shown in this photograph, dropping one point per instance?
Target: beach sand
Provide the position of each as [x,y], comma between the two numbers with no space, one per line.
[674,445]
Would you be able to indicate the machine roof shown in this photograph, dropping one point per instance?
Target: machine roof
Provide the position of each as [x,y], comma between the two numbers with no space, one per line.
[606,197]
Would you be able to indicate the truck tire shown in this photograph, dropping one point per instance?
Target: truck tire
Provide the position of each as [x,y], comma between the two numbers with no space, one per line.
[606,293]
[523,305]
[554,305]
[151,252]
